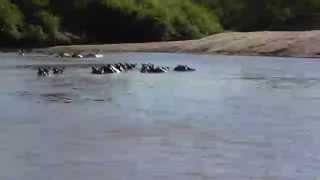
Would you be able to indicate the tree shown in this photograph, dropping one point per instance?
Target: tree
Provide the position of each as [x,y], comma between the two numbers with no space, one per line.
[11,22]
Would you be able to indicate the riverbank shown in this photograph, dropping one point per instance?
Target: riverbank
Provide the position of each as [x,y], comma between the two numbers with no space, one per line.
[266,43]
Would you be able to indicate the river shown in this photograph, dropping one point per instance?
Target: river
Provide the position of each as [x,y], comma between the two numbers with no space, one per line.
[242,118]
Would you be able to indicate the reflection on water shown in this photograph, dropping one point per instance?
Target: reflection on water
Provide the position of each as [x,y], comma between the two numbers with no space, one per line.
[235,118]
[57,97]
[284,82]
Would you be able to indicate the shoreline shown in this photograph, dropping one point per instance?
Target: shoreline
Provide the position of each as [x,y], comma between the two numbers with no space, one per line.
[299,44]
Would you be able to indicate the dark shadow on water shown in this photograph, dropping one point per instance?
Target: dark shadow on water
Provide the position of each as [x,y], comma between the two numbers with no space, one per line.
[57,97]
[283,82]
[64,98]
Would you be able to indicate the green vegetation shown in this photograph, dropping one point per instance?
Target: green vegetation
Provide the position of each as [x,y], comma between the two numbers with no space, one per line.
[51,22]
[253,15]
[11,22]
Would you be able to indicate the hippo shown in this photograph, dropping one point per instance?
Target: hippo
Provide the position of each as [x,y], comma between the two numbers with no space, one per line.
[183,68]
[167,68]
[57,70]
[43,71]
[145,68]
[150,68]
[106,69]
[97,70]
[124,66]
[158,70]
[21,52]
[130,66]
[121,67]
[111,69]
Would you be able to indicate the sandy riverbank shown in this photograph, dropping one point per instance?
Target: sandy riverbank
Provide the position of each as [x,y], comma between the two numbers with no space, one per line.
[292,44]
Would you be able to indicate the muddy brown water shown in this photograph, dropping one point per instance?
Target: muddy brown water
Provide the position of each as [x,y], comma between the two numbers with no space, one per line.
[238,118]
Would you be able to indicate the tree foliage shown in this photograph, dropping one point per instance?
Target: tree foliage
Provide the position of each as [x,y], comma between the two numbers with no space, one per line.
[252,15]
[11,22]
[48,22]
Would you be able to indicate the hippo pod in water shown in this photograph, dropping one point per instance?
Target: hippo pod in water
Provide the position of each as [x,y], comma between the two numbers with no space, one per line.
[183,68]
[150,68]
[107,69]
[125,66]
[113,68]
[47,71]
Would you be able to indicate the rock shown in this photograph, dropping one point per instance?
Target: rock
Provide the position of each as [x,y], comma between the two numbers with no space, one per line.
[64,55]
[92,55]
[75,55]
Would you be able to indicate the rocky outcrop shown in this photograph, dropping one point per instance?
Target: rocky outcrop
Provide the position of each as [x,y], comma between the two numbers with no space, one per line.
[79,55]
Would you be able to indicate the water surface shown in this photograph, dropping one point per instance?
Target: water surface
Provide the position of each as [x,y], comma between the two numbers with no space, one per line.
[238,118]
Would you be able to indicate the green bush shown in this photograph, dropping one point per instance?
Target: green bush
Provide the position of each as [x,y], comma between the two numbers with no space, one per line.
[50,23]
[31,6]
[11,21]
[167,19]
[109,20]
[35,34]
[103,21]
[252,15]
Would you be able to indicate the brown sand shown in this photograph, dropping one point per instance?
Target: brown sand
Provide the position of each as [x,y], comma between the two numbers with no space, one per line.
[267,43]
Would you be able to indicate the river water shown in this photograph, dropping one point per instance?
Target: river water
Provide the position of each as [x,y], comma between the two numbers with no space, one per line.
[236,118]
